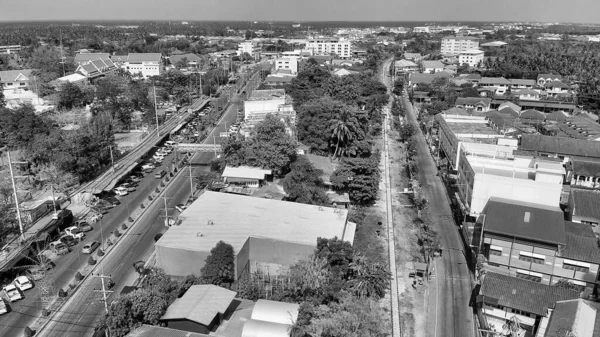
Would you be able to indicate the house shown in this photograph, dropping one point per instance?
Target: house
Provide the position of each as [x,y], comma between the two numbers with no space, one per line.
[480,104]
[584,172]
[190,59]
[515,110]
[144,65]
[584,207]
[271,318]
[556,87]
[431,67]
[153,331]
[532,115]
[527,94]
[542,79]
[289,63]
[497,84]
[267,235]
[516,83]
[416,78]
[16,79]
[405,66]
[272,80]
[504,298]
[576,317]
[560,147]
[97,68]
[245,175]
[87,57]
[415,57]
[344,72]
[472,57]
[534,242]
[201,309]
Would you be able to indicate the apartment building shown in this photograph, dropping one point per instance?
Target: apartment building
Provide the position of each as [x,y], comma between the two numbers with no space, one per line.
[533,242]
[457,44]
[245,47]
[326,46]
[498,172]
[10,49]
[289,63]
[472,57]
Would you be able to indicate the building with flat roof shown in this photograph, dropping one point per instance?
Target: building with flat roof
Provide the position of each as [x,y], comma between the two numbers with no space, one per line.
[267,235]
[143,65]
[455,129]
[431,67]
[454,45]
[534,242]
[289,63]
[327,46]
[498,172]
[264,100]
[245,175]
[472,57]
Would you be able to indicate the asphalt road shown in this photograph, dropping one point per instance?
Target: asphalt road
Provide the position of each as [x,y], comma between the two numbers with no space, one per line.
[78,316]
[451,314]
[25,311]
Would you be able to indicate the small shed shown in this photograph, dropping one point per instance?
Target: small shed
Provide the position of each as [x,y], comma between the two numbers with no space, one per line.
[271,319]
[245,175]
[201,309]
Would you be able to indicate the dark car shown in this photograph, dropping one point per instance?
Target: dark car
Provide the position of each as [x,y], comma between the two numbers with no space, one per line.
[99,209]
[83,226]
[68,240]
[112,200]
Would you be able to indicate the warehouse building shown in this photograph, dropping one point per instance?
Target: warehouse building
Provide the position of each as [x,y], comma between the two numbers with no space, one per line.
[267,235]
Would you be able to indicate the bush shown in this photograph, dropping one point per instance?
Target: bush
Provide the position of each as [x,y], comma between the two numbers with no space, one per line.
[149,198]
[157,190]
[142,206]
[78,276]
[130,219]
[45,312]
[100,252]
[91,261]
[123,226]
[167,179]
[62,293]
[28,332]
[162,184]
[117,233]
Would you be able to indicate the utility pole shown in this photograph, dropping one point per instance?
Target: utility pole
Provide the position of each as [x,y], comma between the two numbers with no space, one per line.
[112,159]
[14,185]
[104,297]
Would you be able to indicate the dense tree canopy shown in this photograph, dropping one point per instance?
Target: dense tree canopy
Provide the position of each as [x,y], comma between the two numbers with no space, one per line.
[219,267]
[304,183]
[360,177]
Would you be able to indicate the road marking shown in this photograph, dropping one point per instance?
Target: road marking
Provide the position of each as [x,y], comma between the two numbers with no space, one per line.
[437,292]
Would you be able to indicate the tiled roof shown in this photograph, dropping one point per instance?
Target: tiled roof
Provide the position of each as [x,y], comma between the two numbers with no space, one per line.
[560,145]
[532,114]
[432,64]
[517,81]
[557,84]
[510,105]
[556,116]
[428,78]
[586,203]
[85,57]
[550,76]
[582,244]
[200,303]
[579,316]
[494,80]
[525,220]
[473,101]
[520,294]
[12,75]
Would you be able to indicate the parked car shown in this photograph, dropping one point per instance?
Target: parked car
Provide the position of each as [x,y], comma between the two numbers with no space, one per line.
[160,174]
[58,248]
[180,207]
[75,232]
[158,157]
[68,240]
[99,209]
[134,178]
[84,226]
[35,273]
[12,293]
[166,149]
[128,187]
[148,166]
[170,143]
[3,306]
[90,247]
[112,201]
[23,283]
[121,191]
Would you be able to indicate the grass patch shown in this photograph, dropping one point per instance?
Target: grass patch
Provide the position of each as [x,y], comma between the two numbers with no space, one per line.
[366,240]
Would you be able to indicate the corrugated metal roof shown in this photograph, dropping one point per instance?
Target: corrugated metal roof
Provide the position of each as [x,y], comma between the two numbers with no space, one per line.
[144,57]
[233,218]
[582,244]
[560,145]
[578,316]
[155,331]
[275,312]
[247,172]
[525,220]
[201,303]
[586,202]
[520,294]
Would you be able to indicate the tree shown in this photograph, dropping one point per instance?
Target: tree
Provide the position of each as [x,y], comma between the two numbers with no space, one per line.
[205,179]
[71,96]
[219,267]
[130,311]
[183,63]
[344,130]
[337,253]
[469,91]
[2,101]
[18,127]
[304,183]
[314,123]
[368,279]
[406,131]
[309,278]
[360,177]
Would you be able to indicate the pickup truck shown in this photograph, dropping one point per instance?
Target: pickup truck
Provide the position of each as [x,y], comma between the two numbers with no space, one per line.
[12,293]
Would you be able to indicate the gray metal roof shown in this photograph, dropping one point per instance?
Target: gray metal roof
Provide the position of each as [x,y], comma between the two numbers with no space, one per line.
[201,303]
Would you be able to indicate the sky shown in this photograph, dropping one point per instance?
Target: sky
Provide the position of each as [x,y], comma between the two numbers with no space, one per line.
[580,11]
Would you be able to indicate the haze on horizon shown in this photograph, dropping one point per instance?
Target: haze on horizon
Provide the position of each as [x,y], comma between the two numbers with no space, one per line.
[576,11]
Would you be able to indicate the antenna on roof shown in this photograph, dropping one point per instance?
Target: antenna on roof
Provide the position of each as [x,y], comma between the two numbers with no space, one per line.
[199,235]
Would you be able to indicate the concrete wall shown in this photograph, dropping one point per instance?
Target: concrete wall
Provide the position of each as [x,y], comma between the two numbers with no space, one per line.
[179,262]
[187,325]
[264,105]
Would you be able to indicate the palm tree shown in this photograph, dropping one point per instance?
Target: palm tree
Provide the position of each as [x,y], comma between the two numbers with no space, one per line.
[344,129]
[369,279]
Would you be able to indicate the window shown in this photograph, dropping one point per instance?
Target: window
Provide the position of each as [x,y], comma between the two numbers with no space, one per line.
[576,266]
[531,257]
[495,250]
[530,276]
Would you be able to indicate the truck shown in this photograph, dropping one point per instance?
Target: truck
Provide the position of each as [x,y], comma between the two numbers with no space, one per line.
[12,293]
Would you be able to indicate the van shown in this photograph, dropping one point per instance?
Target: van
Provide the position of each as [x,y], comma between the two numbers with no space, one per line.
[160,174]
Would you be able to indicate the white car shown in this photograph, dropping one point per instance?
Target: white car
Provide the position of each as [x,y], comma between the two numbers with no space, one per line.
[166,150]
[23,283]
[75,232]
[159,156]
[122,191]
[12,293]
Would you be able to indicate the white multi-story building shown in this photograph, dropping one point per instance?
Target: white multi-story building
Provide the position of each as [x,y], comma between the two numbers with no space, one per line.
[420,30]
[326,46]
[245,47]
[472,57]
[456,44]
[140,64]
[10,49]
[289,63]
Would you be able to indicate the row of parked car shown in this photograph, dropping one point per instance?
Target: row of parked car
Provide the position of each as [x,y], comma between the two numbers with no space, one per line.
[14,291]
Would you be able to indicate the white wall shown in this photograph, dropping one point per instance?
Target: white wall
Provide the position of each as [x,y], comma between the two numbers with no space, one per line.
[263,105]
